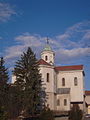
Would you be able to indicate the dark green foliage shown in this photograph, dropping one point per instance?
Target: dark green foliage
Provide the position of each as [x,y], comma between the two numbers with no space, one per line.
[3,113]
[28,82]
[75,113]
[3,89]
[3,72]
[14,104]
[46,114]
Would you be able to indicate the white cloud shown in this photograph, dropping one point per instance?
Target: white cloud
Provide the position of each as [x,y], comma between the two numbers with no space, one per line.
[13,51]
[23,41]
[6,11]
[29,40]
[87,35]
[65,56]
[64,36]
[76,36]
[69,46]
[74,53]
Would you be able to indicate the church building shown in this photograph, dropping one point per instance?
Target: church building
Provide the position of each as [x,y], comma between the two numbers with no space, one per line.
[64,84]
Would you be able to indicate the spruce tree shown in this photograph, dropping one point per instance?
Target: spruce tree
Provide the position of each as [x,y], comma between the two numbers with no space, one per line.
[3,73]
[14,104]
[28,80]
[3,89]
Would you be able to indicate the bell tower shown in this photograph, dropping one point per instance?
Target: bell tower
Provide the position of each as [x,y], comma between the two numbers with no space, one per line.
[47,54]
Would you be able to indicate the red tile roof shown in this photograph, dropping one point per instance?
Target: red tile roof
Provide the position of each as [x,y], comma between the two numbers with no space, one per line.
[62,68]
[87,92]
[42,62]
[67,68]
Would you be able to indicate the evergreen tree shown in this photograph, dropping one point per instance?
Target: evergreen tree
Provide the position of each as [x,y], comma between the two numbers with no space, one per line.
[14,104]
[3,89]
[29,83]
[3,74]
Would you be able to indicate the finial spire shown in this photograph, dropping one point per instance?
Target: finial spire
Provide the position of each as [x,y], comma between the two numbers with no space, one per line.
[47,40]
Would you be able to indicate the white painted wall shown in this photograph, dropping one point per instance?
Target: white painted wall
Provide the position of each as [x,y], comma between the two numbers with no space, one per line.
[50,86]
[62,107]
[87,99]
[51,101]
[50,55]
[76,92]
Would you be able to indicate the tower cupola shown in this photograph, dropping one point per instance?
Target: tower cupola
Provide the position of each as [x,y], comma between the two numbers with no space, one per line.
[47,54]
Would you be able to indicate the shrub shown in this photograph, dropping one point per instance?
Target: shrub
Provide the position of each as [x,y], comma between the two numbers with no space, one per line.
[75,113]
[46,114]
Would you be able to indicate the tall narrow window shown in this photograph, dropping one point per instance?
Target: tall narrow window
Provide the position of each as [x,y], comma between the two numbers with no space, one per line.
[75,81]
[47,77]
[58,102]
[46,58]
[65,102]
[63,81]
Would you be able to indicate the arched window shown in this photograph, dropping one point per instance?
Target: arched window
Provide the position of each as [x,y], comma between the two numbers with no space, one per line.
[47,77]
[65,102]
[46,57]
[75,81]
[63,81]
[58,102]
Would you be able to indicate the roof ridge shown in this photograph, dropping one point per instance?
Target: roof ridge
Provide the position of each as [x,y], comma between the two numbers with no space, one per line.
[71,67]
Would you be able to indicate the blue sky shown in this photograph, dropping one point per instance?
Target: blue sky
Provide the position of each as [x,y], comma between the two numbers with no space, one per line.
[26,23]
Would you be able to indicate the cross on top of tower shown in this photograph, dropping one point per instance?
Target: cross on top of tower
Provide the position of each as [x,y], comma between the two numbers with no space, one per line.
[47,40]
[47,46]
